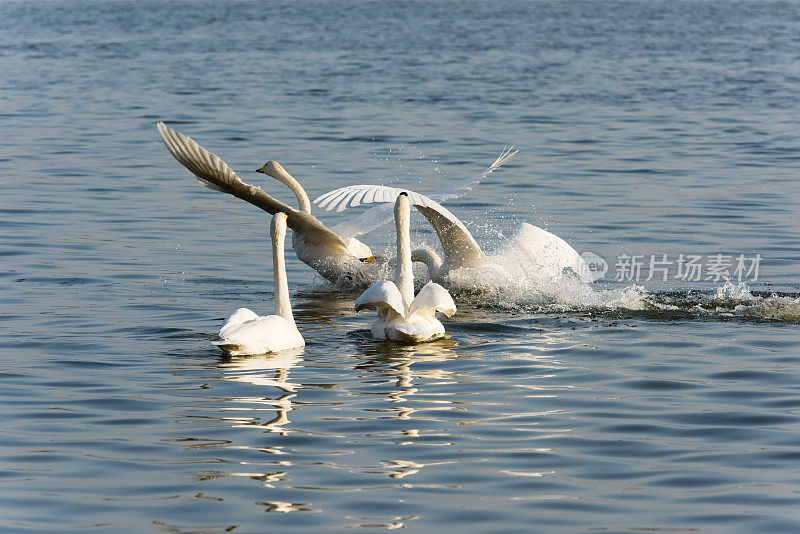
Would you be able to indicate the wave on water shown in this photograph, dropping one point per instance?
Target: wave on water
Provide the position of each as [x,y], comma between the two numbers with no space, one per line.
[508,286]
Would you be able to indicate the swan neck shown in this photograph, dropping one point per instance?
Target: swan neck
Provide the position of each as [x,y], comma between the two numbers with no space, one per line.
[404,277]
[429,258]
[277,171]
[283,306]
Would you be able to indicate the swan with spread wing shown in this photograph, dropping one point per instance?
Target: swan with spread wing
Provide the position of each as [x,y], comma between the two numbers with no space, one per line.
[335,253]
[401,315]
[539,248]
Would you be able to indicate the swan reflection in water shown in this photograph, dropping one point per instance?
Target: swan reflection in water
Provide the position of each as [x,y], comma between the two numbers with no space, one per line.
[270,370]
[397,363]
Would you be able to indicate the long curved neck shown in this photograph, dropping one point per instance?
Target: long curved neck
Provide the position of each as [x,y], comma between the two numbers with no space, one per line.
[278,232]
[404,275]
[274,169]
[429,258]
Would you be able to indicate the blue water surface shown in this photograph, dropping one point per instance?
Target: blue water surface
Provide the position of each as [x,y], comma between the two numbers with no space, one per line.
[645,128]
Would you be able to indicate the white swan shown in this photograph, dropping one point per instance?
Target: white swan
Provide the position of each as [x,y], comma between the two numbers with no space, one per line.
[547,251]
[334,253]
[245,332]
[401,315]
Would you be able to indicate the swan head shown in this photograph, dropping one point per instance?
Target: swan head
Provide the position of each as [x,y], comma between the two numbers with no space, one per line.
[402,208]
[272,168]
[278,226]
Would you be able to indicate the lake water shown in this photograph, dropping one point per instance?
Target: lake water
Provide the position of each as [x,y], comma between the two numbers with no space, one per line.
[645,129]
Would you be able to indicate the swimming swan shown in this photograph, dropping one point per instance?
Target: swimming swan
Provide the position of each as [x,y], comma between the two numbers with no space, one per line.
[334,253]
[401,315]
[245,332]
[539,247]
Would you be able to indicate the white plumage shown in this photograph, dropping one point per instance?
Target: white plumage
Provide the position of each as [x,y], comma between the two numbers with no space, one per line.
[549,252]
[334,253]
[245,332]
[401,316]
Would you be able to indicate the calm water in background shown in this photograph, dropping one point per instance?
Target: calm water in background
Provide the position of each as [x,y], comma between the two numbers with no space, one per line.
[644,128]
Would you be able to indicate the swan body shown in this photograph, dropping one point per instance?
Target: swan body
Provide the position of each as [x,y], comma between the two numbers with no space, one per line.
[541,248]
[551,254]
[245,332]
[401,315]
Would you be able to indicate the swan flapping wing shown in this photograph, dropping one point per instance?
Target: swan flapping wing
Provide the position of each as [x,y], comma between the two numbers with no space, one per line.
[353,195]
[460,188]
[459,246]
[377,216]
[373,218]
[210,169]
[433,297]
[214,173]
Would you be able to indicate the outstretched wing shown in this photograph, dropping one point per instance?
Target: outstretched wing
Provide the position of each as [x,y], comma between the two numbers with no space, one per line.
[214,173]
[377,216]
[458,244]
[432,298]
[373,218]
[353,195]
[460,188]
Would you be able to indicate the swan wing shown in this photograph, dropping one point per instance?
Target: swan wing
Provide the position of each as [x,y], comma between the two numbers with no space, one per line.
[381,214]
[235,319]
[214,173]
[383,296]
[460,188]
[352,195]
[459,246]
[433,297]
[373,218]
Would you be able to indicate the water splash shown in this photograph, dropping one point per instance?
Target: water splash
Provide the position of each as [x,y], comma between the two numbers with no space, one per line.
[736,299]
[518,279]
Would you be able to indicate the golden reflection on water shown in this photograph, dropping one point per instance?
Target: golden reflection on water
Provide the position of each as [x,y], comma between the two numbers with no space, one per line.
[396,362]
[271,370]
[410,384]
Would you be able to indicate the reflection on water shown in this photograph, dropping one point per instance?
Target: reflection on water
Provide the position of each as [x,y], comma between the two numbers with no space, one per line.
[644,128]
[269,370]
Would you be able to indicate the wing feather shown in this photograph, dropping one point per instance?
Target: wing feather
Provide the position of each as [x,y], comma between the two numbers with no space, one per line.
[381,295]
[460,188]
[374,217]
[211,169]
[459,246]
[357,197]
[433,297]
[334,199]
